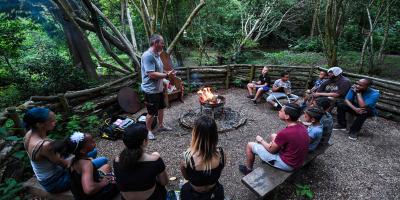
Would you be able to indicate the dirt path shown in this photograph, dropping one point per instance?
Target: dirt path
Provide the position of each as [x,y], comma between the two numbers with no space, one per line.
[366,169]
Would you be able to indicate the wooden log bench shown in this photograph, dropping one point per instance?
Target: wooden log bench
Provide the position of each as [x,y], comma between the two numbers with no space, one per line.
[33,187]
[264,179]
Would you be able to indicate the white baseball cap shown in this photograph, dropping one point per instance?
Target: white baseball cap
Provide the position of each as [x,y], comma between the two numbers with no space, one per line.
[335,70]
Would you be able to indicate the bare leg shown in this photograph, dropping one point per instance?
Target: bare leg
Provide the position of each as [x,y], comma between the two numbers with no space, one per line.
[250,87]
[149,121]
[249,155]
[160,117]
[259,92]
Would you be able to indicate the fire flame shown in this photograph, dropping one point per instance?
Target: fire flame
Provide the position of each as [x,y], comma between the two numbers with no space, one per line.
[207,96]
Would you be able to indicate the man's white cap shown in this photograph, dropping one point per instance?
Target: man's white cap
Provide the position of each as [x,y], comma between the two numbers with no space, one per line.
[335,70]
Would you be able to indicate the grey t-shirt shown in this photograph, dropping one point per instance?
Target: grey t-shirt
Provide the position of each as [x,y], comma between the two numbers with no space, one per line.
[283,85]
[151,62]
[340,86]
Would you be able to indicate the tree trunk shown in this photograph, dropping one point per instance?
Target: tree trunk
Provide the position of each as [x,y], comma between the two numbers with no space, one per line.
[77,43]
[315,17]
[380,58]
[132,30]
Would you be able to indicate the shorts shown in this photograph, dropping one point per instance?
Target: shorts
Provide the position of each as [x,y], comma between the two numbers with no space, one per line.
[154,102]
[264,88]
[272,159]
[216,193]
[59,182]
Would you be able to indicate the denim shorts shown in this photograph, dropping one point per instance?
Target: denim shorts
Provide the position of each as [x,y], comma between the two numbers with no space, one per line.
[264,88]
[272,159]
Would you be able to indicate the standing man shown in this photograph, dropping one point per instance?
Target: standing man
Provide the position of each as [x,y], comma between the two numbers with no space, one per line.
[359,101]
[335,87]
[152,84]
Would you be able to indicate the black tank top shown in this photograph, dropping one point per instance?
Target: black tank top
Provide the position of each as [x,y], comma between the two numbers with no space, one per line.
[202,178]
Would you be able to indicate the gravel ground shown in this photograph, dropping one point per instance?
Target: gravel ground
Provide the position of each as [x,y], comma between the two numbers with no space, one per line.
[368,168]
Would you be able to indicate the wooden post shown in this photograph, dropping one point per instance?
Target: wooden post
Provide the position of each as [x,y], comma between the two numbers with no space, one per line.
[13,115]
[228,75]
[64,102]
[188,78]
[252,72]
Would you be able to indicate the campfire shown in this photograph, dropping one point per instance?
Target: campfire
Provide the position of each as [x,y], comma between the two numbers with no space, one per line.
[207,97]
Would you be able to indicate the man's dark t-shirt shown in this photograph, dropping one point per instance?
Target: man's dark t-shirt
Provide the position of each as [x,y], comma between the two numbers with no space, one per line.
[340,86]
[264,79]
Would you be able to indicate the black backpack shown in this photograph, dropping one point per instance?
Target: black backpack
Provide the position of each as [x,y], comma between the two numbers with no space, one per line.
[142,119]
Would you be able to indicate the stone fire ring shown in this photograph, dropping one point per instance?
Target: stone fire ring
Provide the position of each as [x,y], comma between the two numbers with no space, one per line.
[229,120]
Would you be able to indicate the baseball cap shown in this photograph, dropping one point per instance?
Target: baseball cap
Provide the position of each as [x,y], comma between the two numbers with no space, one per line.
[335,70]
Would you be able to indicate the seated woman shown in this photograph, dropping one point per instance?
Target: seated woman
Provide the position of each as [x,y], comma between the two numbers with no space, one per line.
[47,163]
[140,175]
[203,163]
[287,149]
[87,182]
[48,166]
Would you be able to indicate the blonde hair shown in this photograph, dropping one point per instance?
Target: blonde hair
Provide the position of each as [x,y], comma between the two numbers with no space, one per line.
[204,142]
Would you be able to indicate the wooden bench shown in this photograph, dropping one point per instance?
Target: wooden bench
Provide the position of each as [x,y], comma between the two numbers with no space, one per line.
[33,187]
[264,179]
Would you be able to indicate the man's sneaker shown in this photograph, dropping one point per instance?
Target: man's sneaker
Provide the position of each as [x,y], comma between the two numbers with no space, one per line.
[339,127]
[276,105]
[164,128]
[250,96]
[151,136]
[254,101]
[243,169]
[352,136]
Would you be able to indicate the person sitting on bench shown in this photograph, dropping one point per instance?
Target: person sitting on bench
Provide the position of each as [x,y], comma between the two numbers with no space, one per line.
[281,89]
[140,175]
[203,163]
[87,182]
[322,77]
[261,86]
[359,101]
[326,121]
[335,87]
[313,115]
[287,149]
[48,164]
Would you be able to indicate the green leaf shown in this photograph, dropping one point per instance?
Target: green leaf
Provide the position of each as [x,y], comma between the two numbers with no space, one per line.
[19,154]
[13,138]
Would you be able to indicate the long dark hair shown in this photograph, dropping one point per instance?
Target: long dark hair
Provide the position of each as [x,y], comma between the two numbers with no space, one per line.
[204,140]
[133,139]
[67,147]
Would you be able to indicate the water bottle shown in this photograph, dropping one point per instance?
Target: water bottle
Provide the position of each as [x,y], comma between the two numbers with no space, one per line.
[181,182]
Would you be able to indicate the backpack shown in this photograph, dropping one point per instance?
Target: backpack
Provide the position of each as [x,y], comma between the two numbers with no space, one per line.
[114,127]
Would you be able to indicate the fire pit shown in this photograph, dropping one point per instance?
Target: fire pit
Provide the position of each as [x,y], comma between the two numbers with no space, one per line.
[213,105]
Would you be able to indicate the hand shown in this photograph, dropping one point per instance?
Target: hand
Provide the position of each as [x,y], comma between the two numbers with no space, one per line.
[108,179]
[172,72]
[315,95]
[259,139]
[360,110]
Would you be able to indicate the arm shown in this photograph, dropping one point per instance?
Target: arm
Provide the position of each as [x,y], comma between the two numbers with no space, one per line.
[88,185]
[360,100]
[325,94]
[163,178]
[271,147]
[182,167]
[48,152]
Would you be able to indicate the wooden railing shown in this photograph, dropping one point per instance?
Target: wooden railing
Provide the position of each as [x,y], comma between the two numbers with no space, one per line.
[219,76]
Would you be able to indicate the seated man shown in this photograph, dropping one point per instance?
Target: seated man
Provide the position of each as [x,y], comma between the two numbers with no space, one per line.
[287,149]
[261,86]
[359,101]
[313,115]
[322,77]
[281,89]
[335,87]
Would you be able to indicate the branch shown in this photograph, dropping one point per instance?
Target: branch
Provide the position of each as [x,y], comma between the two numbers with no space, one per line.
[187,23]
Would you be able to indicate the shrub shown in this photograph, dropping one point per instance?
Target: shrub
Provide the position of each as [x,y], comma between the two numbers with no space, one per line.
[307,44]
[9,95]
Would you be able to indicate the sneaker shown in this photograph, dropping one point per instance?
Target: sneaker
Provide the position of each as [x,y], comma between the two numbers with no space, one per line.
[250,96]
[164,128]
[339,127]
[352,136]
[243,169]
[276,105]
[254,101]
[151,136]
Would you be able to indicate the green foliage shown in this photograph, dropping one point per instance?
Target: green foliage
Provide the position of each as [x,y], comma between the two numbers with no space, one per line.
[11,37]
[92,124]
[9,95]
[304,191]
[290,58]
[74,124]
[88,106]
[10,189]
[238,82]
[305,44]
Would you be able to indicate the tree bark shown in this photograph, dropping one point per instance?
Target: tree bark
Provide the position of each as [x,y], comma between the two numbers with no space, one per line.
[77,41]
[380,58]
[132,30]
[315,17]
[187,23]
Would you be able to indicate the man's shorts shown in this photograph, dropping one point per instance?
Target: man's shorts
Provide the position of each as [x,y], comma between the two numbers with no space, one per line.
[264,88]
[154,102]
